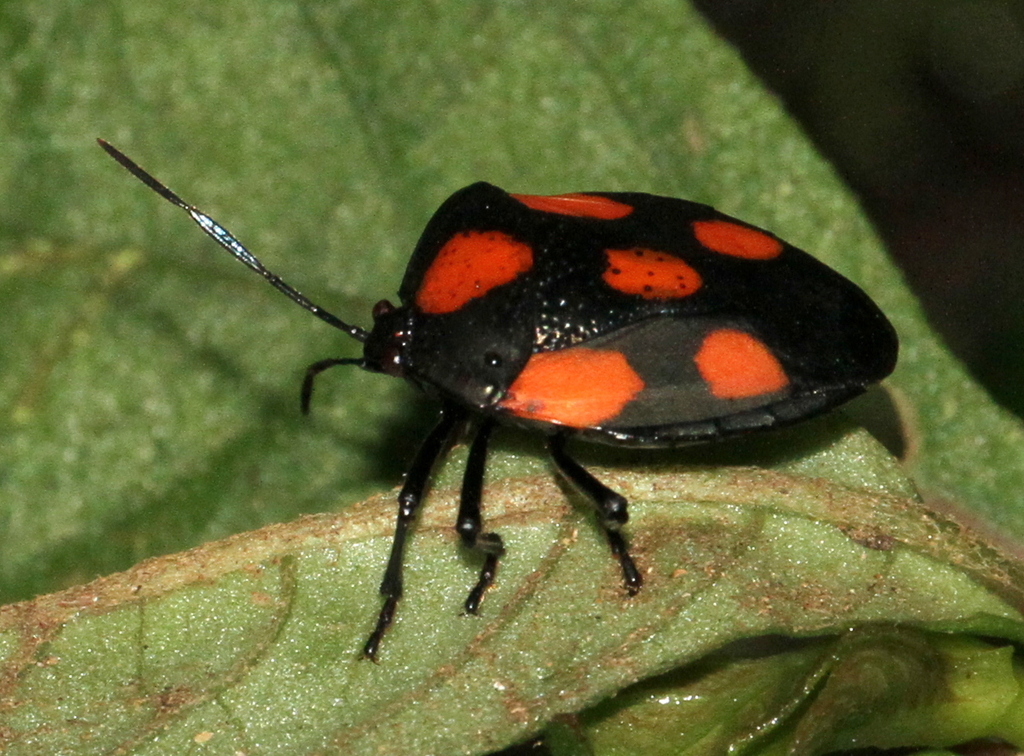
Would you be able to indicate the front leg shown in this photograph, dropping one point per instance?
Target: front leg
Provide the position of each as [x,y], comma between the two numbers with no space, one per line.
[433,446]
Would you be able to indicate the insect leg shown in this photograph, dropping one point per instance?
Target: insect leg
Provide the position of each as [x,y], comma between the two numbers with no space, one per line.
[611,506]
[469,523]
[409,498]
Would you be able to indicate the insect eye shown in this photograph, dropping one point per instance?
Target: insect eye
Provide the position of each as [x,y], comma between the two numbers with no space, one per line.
[492,359]
[382,308]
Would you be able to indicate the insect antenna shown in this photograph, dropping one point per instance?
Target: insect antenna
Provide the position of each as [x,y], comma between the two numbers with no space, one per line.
[225,239]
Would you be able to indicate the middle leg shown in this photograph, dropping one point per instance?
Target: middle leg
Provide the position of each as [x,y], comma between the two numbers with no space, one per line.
[470,523]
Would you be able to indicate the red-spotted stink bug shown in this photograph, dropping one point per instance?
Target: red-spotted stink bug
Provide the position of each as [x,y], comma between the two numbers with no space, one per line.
[620,318]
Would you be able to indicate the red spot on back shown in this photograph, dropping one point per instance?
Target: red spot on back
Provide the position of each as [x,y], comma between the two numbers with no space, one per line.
[735,240]
[649,273]
[735,365]
[468,266]
[577,205]
[576,387]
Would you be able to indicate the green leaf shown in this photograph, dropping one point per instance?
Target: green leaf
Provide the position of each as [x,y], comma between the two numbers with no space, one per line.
[150,383]
[252,644]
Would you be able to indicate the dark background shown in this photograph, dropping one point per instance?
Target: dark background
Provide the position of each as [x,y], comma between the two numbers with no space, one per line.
[919,104]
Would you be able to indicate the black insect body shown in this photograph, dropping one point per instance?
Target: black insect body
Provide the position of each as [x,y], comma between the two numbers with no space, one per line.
[620,318]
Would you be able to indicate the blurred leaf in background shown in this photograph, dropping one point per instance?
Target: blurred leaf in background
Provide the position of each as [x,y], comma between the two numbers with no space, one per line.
[150,386]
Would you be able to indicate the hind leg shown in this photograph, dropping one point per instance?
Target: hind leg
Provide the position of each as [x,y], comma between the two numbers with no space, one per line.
[610,505]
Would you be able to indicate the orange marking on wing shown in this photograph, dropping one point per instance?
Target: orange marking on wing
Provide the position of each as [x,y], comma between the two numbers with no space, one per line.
[736,241]
[468,266]
[735,365]
[576,387]
[577,205]
[650,274]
